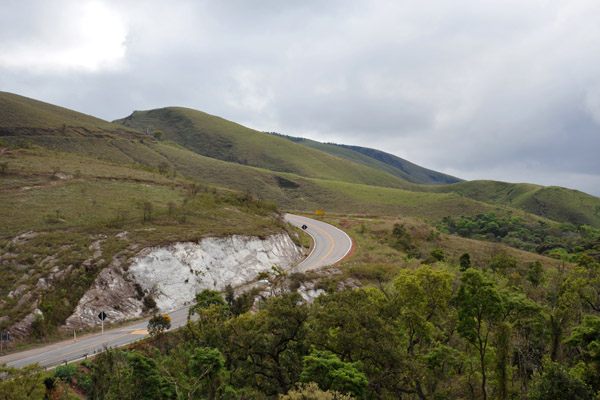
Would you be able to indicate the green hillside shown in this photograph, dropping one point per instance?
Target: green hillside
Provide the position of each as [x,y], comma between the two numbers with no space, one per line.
[556,203]
[424,175]
[218,138]
[379,160]
[22,116]
[210,149]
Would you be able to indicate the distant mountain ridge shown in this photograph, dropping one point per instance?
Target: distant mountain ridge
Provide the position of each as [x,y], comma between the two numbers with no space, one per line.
[380,160]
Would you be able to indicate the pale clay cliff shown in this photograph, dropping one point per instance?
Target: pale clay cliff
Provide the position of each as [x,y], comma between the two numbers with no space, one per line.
[172,275]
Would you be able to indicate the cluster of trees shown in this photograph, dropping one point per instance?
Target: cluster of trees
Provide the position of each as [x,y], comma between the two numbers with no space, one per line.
[433,332]
[563,240]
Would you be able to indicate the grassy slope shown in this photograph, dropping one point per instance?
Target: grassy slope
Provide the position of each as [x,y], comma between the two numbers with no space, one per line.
[24,116]
[382,161]
[224,140]
[355,156]
[559,204]
[312,180]
[424,175]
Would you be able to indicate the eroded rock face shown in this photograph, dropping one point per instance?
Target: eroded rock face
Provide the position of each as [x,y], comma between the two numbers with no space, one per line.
[172,275]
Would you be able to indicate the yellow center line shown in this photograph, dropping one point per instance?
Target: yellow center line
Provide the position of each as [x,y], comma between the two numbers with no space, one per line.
[73,351]
[328,235]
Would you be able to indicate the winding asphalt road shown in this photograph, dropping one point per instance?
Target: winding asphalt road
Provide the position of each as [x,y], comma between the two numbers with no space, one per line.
[330,245]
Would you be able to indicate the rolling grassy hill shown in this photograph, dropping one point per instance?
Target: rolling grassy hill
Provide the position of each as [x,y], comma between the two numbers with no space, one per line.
[218,138]
[22,116]
[556,203]
[330,177]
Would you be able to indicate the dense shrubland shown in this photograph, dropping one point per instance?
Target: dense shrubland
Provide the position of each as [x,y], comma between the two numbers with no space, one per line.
[564,241]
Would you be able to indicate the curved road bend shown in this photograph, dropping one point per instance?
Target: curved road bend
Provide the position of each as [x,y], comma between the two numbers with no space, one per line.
[330,246]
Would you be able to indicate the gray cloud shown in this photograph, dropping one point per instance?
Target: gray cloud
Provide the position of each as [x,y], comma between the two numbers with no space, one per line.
[482,90]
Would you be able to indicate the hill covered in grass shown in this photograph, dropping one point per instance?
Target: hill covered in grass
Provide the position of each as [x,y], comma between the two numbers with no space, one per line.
[22,116]
[298,174]
[224,140]
[556,203]
[379,160]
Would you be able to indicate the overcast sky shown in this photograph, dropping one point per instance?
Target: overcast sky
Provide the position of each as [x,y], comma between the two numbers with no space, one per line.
[505,90]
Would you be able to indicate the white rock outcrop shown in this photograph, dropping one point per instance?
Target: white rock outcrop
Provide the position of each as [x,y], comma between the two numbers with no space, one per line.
[174,274]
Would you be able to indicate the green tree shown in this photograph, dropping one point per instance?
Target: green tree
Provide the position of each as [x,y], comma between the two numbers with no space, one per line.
[584,280]
[437,255]
[356,325]
[535,274]
[21,383]
[557,384]
[479,310]
[420,306]
[157,134]
[502,359]
[265,350]
[146,382]
[586,339]
[311,391]
[206,298]
[465,261]
[503,262]
[206,364]
[212,312]
[330,373]
[65,372]
[147,209]
[158,324]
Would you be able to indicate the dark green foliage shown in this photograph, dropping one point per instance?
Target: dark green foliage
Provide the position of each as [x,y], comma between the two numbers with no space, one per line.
[207,298]
[479,310]
[149,302]
[65,373]
[267,349]
[242,303]
[401,240]
[557,383]
[535,274]
[118,375]
[464,261]
[50,383]
[542,237]
[330,373]
[145,378]
[157,134]
[147,209]
[502,361]
[503,262]
[206,363]
[437,255]
[586,338]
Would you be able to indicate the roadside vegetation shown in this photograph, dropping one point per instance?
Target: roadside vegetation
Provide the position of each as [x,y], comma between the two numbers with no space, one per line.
[414,313]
